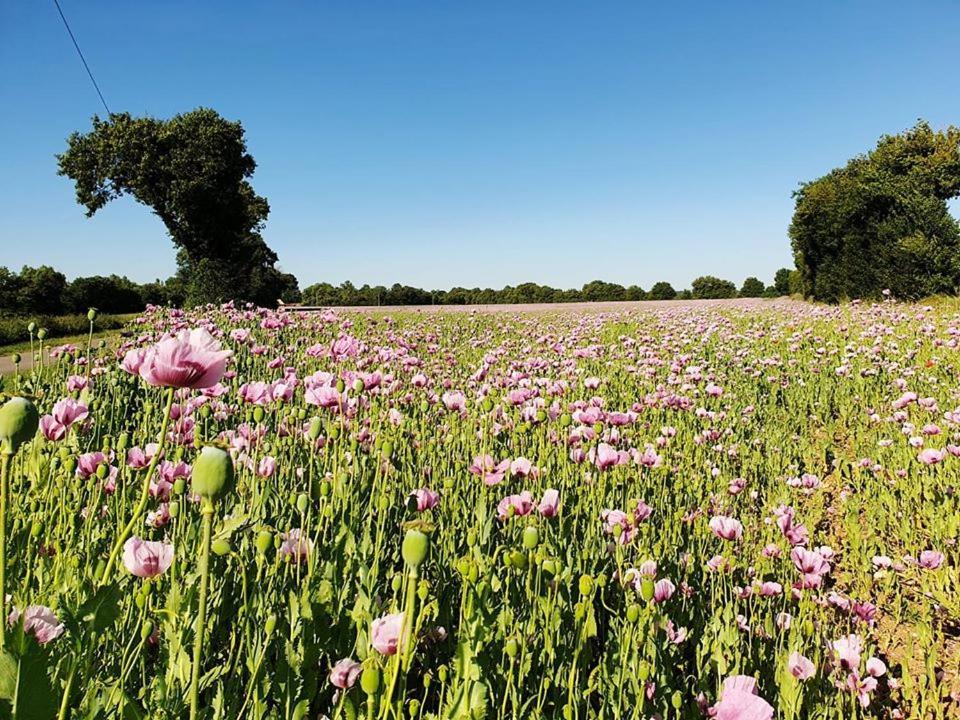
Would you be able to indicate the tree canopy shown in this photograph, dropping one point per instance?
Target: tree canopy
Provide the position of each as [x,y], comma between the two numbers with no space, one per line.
[882,220]
[192,171]
[708,287]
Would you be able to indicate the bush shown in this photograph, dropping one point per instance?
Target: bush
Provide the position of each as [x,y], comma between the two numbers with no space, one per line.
[708,287]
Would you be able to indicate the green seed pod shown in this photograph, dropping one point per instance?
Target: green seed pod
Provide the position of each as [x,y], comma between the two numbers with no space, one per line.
[258,414]
[36,529]
[173,508]
[585,585]
[550,566]
[370,679]
[103,470]
[16,358]
[416,545]
[518,560]
[42,333]
[205,412]
[413,707]
[471,538]
[341,385]
[423,590]
[646,589]
[31,327]
[179,485]
[358,385]
[70,464]
[531,537]
[92,314]
[633,613]
[442,673]
[396,582]
[302,503]
[333,432]
[19,420]
[325,489]
[146,630]
[220,547]
[643,671]
[212,472]
[512,647]
[123,442]
[315,427]
[264,541]
[565,420]
[676,700]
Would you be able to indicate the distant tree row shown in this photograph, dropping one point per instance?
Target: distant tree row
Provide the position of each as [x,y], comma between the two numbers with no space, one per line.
[707,287]
[43,290]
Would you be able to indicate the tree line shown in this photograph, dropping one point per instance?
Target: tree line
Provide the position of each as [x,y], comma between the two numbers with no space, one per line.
[45,290]
[706,287]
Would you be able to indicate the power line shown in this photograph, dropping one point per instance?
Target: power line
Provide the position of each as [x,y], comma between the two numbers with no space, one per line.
[82,58]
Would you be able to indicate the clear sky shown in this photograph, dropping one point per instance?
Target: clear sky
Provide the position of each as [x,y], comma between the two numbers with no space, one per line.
[476,143]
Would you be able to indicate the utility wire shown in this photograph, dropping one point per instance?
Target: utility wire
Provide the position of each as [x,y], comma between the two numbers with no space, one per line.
[82,58]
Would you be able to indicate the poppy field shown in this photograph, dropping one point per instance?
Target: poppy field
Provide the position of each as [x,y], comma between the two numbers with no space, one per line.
[738,511]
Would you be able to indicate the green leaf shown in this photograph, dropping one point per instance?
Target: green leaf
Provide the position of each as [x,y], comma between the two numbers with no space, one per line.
[25,684]
[102,609]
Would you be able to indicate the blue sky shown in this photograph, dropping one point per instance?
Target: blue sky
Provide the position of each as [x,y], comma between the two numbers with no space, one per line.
[476,143]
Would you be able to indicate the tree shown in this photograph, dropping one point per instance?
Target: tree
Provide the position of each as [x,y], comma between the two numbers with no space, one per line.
[882,220]
[193,171]
[662,291]
[41,290]
[710,287]
[111,294]
[752,287]
[781,281]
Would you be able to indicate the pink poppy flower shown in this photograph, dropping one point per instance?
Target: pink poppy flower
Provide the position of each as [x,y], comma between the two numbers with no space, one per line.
[385,633]
[739,701]
[800,666]
[145,558]
[345,673]
[522,504]
[426,499]
[930,559]
[550,503]
[296,546]
[726,528]
[39,621]
[190,359]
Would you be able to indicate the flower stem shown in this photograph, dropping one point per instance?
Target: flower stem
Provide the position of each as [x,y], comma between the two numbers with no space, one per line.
[201,609]
[144,494]
[5,456]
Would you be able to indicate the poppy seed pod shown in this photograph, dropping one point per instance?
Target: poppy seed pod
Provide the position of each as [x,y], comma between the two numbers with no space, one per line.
[531,537]
[212,472]
[92,314]
[18,423]
[370,679]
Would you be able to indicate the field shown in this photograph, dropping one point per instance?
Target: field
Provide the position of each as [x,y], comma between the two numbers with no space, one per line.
[747,510]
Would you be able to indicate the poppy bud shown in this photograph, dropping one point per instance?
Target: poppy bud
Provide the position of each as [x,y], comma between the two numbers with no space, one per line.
[512,647]
[586,585]
[31,327]
[341,386]
[270,625]
[416,544]
[358,385]
[370,679]
[302,502]
[173,509]
[646,589]
[16,358]
[220,546]
[18,423]
[212,472]
[92,314]
[633,613]
[264,541]
[531,537]
[315,427]
[42,333]
[146,630]
[258,414]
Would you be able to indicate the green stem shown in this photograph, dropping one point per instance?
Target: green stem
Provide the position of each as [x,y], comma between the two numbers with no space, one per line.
[5,456]
[202,609]
[144,494]
[68,686]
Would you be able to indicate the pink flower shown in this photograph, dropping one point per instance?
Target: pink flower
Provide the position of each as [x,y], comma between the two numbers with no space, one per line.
[931,456]
[39,621]
[455,401]
[522,504]
[848,651]
[522,467]
[550,503]
[930,559]
[426,499]
[133,360]
[296,546]
[811,563]
[267,466]
[65,413]
[492,473]
[663,590]
[145,558]
[190,359]
[801,667]
[345,673]
[726,528]
[739,701]
[607,456]
[385,633]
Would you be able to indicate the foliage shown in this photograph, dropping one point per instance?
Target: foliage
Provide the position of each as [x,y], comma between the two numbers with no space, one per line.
[752,287]
[662,291]
[882,221]
[13,328]
[781,281]
[193,171]
[708,287]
